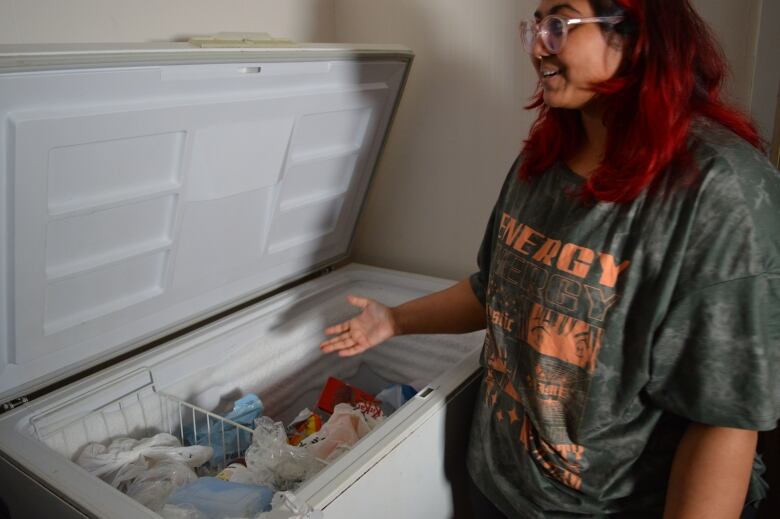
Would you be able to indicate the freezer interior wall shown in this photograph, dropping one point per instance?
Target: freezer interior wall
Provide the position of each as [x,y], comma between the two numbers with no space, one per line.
[275,355]
[283,364]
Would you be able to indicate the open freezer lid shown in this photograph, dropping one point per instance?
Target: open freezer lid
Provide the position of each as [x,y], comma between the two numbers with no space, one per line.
[144,188]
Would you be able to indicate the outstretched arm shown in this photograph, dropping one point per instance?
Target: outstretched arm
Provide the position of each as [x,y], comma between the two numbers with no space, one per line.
[453,310]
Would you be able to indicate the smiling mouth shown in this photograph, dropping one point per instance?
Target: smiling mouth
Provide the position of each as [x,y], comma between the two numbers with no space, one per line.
[546,74]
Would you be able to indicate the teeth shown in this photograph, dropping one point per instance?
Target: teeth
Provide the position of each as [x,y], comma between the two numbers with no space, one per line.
[549,73]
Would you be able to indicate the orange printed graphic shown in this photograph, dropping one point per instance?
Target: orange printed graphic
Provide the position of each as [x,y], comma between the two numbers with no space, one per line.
[502,319]
[510,390]
[548,252]
[568,257]
[549,300]
[526,240]
[575,260]
[610,271]
[563,337]
[560,462]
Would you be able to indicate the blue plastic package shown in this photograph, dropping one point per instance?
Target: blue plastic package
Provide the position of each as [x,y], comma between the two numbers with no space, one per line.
[219,499]
[394,397]
[244,412]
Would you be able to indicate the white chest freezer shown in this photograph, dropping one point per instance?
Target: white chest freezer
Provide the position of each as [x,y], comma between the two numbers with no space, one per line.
[169,224]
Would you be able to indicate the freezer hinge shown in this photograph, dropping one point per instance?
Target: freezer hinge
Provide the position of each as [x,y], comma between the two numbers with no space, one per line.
[13,404]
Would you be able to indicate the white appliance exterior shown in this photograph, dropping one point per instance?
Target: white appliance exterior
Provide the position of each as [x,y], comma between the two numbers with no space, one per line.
[144,189]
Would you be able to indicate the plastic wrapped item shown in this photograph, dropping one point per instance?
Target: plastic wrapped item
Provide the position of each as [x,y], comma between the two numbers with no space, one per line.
[147,470]
[286,505]
[275,462]
[152,487]
[237,473]
[345,427]
[218,499]
[245,410]
[303,425]
[395,396]
[108,462]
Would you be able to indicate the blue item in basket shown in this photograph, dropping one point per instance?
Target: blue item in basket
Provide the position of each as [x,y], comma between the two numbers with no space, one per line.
[218,499]
[244,412]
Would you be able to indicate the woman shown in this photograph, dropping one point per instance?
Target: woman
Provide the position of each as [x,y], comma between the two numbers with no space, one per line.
[629,280]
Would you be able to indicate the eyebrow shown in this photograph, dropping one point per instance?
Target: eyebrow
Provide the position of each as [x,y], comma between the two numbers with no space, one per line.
[555,9]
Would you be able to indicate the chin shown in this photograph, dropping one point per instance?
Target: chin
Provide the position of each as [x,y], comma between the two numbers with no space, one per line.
[556,100]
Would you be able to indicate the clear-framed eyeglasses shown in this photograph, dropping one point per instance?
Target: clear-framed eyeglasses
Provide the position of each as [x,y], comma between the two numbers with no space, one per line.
[554,29]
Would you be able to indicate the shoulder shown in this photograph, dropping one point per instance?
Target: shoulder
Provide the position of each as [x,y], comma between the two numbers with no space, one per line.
[725,160]
[734,207]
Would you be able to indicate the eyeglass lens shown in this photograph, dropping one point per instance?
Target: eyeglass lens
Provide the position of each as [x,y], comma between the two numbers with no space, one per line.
[551,29]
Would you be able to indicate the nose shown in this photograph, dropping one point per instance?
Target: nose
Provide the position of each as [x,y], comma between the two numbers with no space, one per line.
[539,49]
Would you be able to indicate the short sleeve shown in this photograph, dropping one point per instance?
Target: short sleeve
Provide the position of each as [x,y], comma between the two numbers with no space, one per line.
[479,279]
[715,357]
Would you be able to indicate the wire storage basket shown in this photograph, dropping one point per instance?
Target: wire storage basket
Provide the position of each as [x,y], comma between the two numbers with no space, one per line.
[197,426]
[142,414]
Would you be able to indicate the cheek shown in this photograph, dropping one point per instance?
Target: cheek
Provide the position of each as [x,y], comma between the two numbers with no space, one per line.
[604,63]
[591,61]
[613,60]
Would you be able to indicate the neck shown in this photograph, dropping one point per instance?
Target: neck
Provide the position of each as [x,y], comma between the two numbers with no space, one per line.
[595,142]
[591,153]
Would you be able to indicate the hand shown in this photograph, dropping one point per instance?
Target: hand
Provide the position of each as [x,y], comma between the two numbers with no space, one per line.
[373,326]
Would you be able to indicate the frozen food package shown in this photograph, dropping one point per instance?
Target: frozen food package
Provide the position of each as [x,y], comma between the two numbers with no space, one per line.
[339,392]
[218,499]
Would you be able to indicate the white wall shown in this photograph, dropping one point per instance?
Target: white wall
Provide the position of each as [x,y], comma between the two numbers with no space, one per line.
[735,23]
[459,127]
[765,92]
[69,21]
[461,120]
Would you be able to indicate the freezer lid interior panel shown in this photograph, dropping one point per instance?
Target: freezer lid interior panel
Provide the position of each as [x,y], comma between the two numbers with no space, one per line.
[139,199]
[271,349]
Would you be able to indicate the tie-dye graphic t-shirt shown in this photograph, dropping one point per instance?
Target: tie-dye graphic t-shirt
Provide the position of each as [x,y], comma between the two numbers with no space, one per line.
[612,326]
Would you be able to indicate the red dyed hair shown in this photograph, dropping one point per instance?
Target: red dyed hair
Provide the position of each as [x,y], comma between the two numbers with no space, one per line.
[672,71]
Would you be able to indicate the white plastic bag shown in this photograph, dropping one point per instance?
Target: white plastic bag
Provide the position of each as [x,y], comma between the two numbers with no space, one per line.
[344,428]
[152,487]
[102,461]
[147,470]
[275,462]
[237,473]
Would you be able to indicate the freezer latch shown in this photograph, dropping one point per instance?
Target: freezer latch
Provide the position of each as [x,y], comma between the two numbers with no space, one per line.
[13,404]
[425,392]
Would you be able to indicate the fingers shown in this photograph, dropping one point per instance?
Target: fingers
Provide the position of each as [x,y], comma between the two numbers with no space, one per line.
[345,345]
[354,350]
[341,342]
[344,342]
[360,302]
[337,328]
